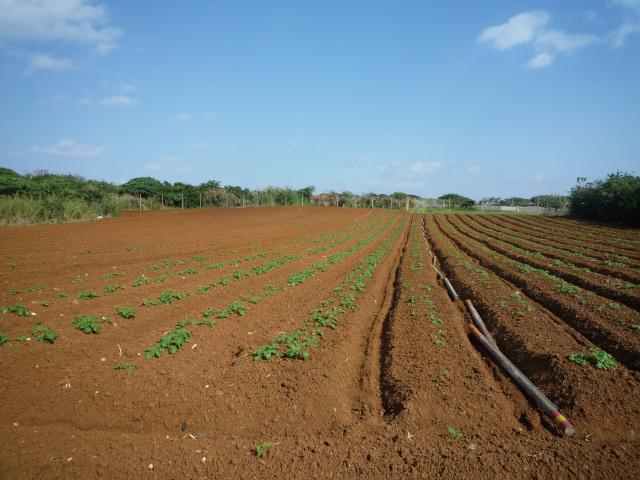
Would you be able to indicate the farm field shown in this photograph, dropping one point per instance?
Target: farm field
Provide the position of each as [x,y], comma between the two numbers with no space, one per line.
[243,343]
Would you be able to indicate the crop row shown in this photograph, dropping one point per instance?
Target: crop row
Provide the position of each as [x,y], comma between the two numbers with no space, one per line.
[603,322]
[583,277]
[330,313]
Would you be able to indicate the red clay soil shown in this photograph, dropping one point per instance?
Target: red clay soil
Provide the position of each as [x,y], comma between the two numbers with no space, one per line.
[494,227]
[600,284]
[378,398]
[607,325]
[593,232]
[593,229]
[539,343]
[589,247]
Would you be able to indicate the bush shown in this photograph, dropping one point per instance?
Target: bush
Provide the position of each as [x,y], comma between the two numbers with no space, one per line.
[614,199]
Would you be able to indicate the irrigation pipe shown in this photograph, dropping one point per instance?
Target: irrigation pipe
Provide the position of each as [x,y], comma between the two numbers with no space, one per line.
[546,405]
[478,321]
[452,292]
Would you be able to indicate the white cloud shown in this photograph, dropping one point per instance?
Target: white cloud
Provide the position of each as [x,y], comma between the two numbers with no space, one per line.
[541,60]
[210,115]
[538,177]
[183,117]
[519,29]
[633,4]
[619,35]
[41,61]
[117,101]
[563,42]
[73,21]
[127,87]
[422,167]
[528,28]
[68,148]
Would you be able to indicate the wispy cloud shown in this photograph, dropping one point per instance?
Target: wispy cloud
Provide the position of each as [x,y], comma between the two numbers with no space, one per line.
[630,24]
[541,60]
[210,116]
[418,168]
[66,147]
[529,28]
[519,29]
[41,61]
[114,101]
[183,117]
[71,21]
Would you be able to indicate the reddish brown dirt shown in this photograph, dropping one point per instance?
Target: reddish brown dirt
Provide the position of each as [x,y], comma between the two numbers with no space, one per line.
[606,325]
[600,284]
[566,240]
[593,229]
[493,226]
[375,399]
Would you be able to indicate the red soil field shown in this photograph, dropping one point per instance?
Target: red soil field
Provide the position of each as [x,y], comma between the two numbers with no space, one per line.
[375,376]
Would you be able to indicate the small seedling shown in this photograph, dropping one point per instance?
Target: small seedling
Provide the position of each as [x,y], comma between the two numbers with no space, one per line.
[265,352]
[453,433]
[435,320]
[261,449]
[602,360]
[127,312]
[127,367]
[578,357]
[112,288]
[87,294]
[19,309]
[87,323]
[43,333]
[3,338]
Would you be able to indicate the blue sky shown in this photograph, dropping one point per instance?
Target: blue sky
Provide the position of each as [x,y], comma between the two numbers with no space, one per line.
[495,98]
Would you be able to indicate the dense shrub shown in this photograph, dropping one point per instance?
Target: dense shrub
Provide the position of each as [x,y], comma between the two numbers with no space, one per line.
[615,199]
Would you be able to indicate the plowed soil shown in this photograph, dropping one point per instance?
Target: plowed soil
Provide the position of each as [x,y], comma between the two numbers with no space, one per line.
[396,390]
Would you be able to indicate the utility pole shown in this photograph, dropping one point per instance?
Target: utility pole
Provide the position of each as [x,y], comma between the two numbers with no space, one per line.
[140,201]
[200,200]
[182,200]
[242,199]
[337,200]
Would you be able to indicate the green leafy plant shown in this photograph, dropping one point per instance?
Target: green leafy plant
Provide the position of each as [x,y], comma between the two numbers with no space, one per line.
[251,299]
[127,312]
[239,308]
[567,288]
[453,433]
[87,323]
[602,360]
[19,309]
[3,338]
[579,358]
[87,294]
[43,333]
[112,288]
[168,296]
[127,367]
[435,320]
[171,342]
[141,280]
[265,352]
[262,448]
